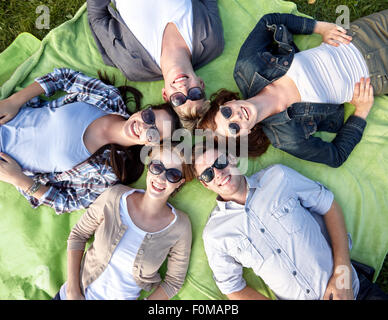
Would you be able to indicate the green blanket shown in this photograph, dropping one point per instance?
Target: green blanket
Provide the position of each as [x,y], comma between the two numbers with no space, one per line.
[33,242]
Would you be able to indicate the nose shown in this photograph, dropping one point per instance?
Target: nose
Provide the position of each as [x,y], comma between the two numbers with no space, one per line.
[218,174]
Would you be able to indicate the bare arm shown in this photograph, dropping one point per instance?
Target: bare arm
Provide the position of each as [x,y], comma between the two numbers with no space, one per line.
[73,290]
[10,107]
[340,285]
[246,294]
[158,294]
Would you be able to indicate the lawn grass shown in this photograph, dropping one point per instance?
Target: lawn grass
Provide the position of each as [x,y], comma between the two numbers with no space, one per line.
[18,16]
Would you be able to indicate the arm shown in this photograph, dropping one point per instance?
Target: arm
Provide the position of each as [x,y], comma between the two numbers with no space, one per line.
[177,264]
[340,284]
[10,107]
[78,237]
[336,152]
[246,294]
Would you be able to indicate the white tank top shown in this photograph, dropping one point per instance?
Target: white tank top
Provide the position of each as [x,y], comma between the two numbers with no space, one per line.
[49,139]
[147,20]
[328,74]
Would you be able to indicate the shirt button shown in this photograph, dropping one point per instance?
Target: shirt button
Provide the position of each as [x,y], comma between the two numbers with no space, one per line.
[307,291]
[278,250]
[273,59]
[294,273]
[134,267]
[262,230]
[285,63]
[286,210]
[141,251]
[148,236]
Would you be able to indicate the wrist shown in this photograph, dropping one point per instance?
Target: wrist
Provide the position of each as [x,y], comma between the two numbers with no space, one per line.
[23,182]
[361,114]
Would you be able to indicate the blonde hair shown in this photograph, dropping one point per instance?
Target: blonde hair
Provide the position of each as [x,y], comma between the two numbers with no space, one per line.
[189,118]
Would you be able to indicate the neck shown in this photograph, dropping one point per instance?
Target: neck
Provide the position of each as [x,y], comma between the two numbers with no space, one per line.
[175,54]
[151,206]
[113,131]
[241,195]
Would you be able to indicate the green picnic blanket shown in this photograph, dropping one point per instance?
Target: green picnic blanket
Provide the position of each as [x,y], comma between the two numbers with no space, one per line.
[33,242]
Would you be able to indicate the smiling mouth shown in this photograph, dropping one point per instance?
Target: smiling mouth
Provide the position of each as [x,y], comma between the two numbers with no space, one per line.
[225,181]
[157,187]
[245,113]
[180,78]
[135,129]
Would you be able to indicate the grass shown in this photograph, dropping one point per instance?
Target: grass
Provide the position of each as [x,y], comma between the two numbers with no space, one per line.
[18,16]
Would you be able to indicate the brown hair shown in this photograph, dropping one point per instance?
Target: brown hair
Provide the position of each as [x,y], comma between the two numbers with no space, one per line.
[125,161]
[257,140]
[190,117]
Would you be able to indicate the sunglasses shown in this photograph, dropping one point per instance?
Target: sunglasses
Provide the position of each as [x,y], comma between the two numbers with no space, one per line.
[152,133]
[208,174]
[178,98]
[233,127]
[173,175]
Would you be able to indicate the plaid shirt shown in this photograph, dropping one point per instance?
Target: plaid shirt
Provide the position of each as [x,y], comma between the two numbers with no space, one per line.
[78,187]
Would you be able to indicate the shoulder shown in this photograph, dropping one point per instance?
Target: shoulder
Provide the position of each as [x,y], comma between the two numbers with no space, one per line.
[271,172]
[111,193]
[184,220]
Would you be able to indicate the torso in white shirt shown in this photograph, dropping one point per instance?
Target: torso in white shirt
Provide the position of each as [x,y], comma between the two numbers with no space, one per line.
[147,20]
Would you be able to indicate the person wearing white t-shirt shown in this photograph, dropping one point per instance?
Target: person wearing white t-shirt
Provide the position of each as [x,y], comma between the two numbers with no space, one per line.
[150,40]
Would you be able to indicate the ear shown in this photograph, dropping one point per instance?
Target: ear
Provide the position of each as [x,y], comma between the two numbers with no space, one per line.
[164,95]
[183,180]
[202,83]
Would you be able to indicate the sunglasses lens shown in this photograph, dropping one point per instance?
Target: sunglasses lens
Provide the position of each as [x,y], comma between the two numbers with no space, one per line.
[207,175]
[177,99]
[195,93]
[148,116]
[156,168]
[153,135]
[234,128]
[221,162]
[226,112]
[173,175]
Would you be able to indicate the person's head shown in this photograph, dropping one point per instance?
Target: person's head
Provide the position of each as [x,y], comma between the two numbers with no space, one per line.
[232,117]
[186,94]
[216,170]
[151,125]
[167,171]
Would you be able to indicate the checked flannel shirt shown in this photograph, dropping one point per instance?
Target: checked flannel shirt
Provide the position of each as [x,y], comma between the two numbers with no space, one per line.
[78,187]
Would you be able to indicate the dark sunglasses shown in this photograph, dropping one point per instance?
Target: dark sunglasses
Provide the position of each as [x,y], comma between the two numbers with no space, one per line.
[208,174]
[152,134]
[178,98]
[233,127]
[173,175]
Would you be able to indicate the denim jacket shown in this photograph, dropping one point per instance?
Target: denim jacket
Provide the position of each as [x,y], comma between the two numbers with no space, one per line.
[265,56]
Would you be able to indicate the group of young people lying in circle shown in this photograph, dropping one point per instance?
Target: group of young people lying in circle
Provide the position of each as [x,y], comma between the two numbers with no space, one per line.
[84,148]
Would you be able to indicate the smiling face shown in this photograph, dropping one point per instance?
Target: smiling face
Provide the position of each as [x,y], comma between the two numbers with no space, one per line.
[235,112]
[227,181]
[157,185]
[183,82]
[135,129]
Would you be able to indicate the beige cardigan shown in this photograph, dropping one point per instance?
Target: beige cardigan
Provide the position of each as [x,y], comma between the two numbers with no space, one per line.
[103,220]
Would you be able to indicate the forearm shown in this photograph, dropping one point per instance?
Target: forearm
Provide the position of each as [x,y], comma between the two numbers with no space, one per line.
[158,294]
[246,294]
[74,258]
[336,228]
[21,97]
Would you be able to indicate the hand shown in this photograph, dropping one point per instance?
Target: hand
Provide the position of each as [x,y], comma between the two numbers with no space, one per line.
[11,172]
[331,33]
[339,287]
[362,98]
[9,108]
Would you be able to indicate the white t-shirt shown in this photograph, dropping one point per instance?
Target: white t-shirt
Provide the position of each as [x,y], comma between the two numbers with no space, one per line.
[328,74]
[147,20]
[116,281]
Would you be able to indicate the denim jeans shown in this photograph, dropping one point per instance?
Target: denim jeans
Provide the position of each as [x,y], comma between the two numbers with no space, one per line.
[370,36]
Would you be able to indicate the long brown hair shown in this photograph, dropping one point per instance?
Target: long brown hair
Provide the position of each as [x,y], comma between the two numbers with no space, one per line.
[125,161]
[257,140]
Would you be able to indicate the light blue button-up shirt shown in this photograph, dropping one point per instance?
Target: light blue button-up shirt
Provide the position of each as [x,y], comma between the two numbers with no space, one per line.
[279,233]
